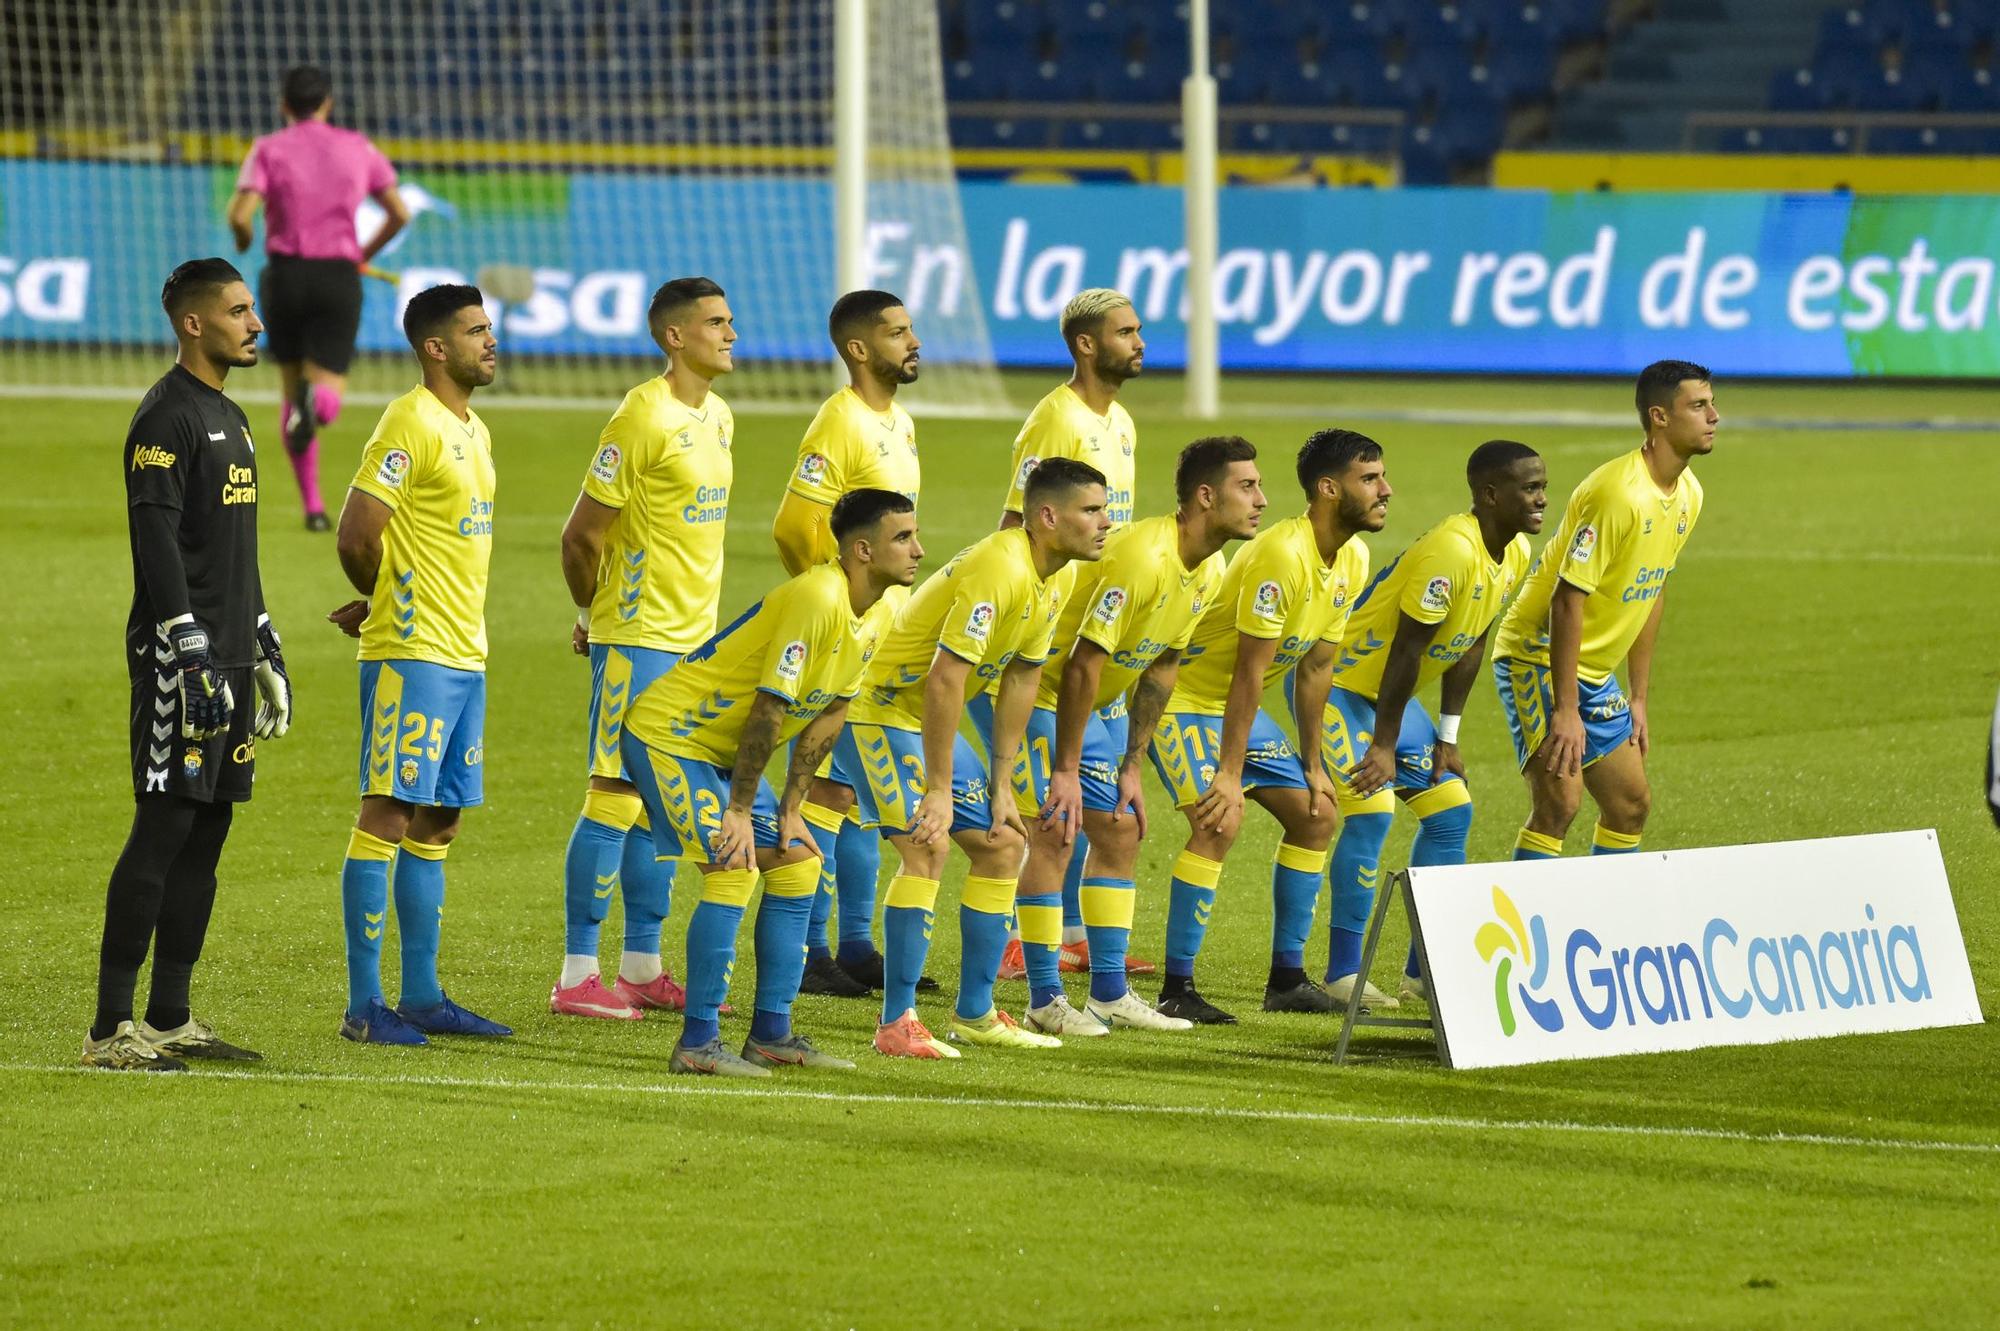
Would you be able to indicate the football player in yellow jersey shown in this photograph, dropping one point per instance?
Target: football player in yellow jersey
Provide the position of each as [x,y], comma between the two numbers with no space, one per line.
[642,554]
[1128,619]
[1423,618]
[1594,598]
[990,614]
[861,437]
[1284,592]
[415,538]
[696,744]
[1082,419]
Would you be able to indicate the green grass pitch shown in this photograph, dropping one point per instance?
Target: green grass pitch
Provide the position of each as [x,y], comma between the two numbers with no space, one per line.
[1829,658]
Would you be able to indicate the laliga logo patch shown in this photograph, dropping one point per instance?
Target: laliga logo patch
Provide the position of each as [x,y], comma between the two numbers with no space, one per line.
[1109,604]
[1585,542]
[395,466]
[191,763]
[812,469]
[605,468]
[407,774]
[1504,936]
[1437,594]
[980,621]
[1028,464]
[792,660]
[1265,606]
[722,437]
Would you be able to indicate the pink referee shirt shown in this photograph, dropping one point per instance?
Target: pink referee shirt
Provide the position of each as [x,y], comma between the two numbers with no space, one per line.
[313,176]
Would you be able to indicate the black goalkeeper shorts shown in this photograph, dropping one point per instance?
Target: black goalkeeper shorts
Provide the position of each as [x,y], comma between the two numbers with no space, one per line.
[210,770]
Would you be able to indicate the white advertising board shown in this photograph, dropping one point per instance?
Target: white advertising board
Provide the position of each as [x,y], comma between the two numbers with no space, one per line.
[1538,960]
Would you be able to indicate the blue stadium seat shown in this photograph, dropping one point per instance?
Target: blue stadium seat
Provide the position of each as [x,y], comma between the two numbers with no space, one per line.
[1438,24]
[999,132]
[1055,81]
[1297,83]
[1892,90]
[1317,138]
[1092,20]
[1920,140]
[1161,26]
[1354,78]
[1440,73]
[1973,90]
[1844,70]
[978,78]
[1800,90]
[1155,79]
[1470,134]
[1574,20]
[1521,72]
[1239,82]
[1788,140]
[1119,135]
[1425,161]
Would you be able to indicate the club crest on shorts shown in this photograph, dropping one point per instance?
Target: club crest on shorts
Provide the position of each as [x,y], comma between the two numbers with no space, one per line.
[1585,542]
[791,661]
[407,773]
[980,622]
[812,469]
[1437,594]
[191,763]
[1265,605]
[395,466]
[605,467]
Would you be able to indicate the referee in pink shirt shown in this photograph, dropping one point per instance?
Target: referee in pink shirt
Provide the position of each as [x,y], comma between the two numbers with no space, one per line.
[309,178]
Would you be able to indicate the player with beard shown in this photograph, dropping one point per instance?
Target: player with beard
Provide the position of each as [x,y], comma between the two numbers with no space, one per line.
[200,651]
[1081,419]
[861,439]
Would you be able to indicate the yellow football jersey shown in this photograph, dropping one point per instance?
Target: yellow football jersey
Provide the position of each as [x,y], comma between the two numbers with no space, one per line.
[1137,602]
[987,606]
[435,472]
[802,644]
[850,446]
[1618,540]
[666,467]
[1061,426]
[1276,587]
[1445,578]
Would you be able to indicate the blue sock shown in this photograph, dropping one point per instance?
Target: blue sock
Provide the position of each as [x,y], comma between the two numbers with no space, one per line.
[1604,841]
[1072,894]
[419,885]
[1441,837]
[780,941]
[1043,959]
[1357,870]
[711,944]
[646,882]
[857,864]
[590,876]
[818,948]
[985,913]
[364,912]
[1108,942]
[1190,903]
[1294,893]
[906,941]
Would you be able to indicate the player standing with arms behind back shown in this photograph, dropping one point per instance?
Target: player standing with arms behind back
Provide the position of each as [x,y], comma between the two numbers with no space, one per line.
[416,535]
[309,178]
[201,652]
[1081,419]
[861,439]
[1594,598]
[642,554]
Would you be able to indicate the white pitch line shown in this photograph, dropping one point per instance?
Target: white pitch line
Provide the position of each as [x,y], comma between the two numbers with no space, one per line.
[1449,1123]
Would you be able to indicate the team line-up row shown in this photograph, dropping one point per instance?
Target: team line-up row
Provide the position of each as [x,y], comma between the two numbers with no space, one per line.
[1079,641]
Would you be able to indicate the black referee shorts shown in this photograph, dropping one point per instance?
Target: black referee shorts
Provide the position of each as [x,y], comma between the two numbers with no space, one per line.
[209,770]
[311,310]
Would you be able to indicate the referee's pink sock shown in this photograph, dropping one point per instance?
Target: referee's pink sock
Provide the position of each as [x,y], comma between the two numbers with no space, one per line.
[305,466]
[325,403]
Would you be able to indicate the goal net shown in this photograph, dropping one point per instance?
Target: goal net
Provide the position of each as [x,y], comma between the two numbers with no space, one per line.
[572,153]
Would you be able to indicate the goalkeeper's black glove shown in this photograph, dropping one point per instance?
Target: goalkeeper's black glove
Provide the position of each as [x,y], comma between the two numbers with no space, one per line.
[274,685]
[206,702]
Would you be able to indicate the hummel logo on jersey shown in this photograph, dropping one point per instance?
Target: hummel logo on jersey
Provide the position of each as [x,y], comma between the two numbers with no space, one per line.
[217,436]
[151,457]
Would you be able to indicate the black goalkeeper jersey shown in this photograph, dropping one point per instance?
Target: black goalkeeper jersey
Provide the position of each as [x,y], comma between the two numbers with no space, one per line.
[189,452]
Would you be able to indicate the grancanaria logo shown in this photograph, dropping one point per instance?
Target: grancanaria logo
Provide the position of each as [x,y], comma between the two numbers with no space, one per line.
[1530,944]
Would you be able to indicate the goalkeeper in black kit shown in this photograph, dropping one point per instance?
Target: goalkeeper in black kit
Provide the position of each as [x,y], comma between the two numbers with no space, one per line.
[208,680]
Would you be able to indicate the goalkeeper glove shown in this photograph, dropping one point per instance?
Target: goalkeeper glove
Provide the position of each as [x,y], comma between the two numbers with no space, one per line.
[206,702]
[274,684]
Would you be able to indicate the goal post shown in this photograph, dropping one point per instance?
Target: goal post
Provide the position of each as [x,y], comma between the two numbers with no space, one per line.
[789,149]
